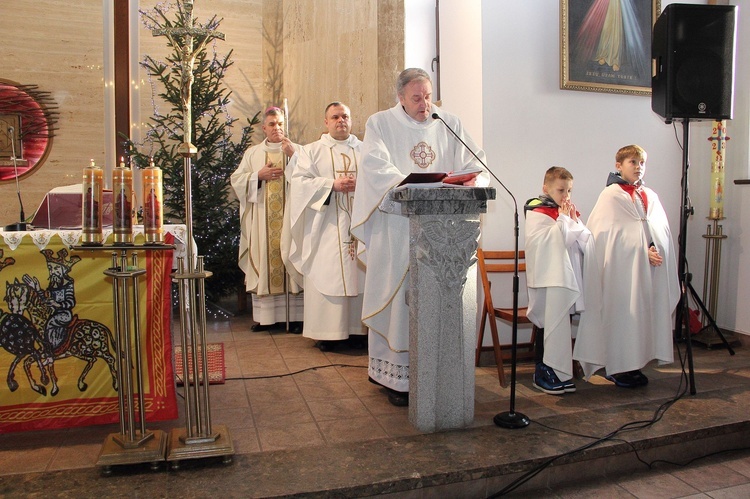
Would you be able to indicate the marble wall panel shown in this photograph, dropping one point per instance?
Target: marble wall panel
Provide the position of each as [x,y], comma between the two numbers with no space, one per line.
[58,47]
[310,52]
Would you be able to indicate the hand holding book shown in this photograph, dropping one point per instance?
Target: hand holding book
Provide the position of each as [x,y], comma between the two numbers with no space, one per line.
[440,179]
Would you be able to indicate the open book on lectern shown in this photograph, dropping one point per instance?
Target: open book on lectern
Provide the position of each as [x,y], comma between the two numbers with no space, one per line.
[422,180]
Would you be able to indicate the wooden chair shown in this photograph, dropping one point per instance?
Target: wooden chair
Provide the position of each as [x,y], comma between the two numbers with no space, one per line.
[492,262]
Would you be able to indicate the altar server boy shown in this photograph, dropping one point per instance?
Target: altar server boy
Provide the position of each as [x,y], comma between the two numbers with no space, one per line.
[561,278]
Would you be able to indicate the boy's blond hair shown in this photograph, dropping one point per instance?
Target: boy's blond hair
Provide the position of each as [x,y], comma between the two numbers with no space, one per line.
[631,151]
[556,172]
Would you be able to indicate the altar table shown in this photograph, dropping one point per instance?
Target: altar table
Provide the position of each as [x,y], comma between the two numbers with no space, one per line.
[48,384]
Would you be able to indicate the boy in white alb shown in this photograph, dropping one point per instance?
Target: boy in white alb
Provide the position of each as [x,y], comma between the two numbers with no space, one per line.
[561,278]
[640,288]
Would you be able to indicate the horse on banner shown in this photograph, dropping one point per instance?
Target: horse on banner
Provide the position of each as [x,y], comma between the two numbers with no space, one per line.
[20,338]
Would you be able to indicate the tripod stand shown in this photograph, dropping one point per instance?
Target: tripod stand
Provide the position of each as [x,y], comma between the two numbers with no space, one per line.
[682,315]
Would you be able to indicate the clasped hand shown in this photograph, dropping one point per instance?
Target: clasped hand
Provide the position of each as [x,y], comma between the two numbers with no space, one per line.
[344,184]
[654,258]
[568,208]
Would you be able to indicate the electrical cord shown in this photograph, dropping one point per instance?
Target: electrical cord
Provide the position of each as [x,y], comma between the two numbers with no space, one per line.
[244,378]
[630,426]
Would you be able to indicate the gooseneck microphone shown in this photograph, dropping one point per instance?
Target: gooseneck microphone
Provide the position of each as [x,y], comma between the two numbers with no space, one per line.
[20,226]
[436,116]
[509,419]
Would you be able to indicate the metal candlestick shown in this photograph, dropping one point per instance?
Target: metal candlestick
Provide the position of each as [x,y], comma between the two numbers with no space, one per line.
[133,444]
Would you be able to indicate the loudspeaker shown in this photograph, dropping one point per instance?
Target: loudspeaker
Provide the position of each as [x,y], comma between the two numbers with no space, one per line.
[692,64]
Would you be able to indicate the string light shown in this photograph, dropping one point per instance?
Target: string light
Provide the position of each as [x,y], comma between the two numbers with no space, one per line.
[215,211]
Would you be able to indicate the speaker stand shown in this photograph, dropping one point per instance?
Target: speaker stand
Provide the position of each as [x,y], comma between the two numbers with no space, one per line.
[682,315]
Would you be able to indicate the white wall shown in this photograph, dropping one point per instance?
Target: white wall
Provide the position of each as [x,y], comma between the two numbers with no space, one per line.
[527,124]
[461,69]
[420,44]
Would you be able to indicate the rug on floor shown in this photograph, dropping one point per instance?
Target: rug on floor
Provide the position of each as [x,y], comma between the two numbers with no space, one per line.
[216,366]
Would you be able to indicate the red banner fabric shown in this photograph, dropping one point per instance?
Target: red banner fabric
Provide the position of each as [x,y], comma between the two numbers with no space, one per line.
[57,347]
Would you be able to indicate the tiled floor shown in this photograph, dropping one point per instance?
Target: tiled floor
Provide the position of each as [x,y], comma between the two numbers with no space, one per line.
[283,394]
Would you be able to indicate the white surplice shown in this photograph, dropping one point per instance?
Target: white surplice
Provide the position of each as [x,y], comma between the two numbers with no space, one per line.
[638,299]
[394,146]
[263,242]
[322,247]
[558,282]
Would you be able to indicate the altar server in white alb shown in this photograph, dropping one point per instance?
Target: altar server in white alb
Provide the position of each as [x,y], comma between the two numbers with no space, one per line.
[261,185]
[399,141]
[323,249]
[562,279]
[640,289]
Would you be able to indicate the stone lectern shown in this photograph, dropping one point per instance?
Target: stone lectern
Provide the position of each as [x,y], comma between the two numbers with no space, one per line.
[442,296]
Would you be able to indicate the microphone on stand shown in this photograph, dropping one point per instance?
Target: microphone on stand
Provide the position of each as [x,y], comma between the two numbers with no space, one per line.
[509,419]
[436,116]
[19,226]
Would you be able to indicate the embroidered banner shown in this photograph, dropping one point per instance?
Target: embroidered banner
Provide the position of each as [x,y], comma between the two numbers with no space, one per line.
[57,352]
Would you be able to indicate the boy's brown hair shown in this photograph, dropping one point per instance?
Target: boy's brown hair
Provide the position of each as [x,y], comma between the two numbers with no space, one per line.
[556,172]
[631,151]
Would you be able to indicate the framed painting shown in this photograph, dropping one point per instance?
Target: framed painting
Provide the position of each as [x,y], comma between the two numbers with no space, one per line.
[605,45]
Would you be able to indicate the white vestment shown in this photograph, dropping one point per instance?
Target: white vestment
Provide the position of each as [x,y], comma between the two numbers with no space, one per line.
[394,146]
[264,239]
[638,299]
[322,247]
[559,283]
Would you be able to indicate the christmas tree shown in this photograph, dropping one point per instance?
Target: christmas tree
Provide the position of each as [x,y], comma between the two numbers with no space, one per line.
[216,228]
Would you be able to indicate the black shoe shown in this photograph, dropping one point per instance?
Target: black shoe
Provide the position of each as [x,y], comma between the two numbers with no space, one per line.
[358,342]
[639,378]
[296,327]
[261,327]
[399,399]
[326,345]
[623,380]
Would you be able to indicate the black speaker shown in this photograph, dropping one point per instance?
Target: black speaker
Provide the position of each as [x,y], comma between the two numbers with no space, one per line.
[692,53]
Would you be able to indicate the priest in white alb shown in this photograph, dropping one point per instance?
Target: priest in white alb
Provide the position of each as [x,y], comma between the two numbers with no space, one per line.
[398,141]
[322,247]
[261,185]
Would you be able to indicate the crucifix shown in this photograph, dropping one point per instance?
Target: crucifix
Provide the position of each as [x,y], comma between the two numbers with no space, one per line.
[198,438]
[195,40]
[190,40]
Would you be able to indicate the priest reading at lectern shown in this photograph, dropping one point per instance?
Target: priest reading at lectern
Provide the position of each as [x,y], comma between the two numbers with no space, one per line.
[399,141]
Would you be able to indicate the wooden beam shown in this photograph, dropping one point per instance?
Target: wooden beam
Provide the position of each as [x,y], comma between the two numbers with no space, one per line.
[122,74]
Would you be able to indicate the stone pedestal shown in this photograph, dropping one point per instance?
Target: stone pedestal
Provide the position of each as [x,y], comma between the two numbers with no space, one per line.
[442,296]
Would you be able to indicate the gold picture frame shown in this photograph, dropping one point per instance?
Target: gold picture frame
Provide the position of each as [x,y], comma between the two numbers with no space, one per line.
[605,45]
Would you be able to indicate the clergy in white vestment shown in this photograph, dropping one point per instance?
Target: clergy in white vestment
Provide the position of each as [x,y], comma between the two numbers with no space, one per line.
[640,289]
[399,141]
[561,278]
[261,185]
[323,249]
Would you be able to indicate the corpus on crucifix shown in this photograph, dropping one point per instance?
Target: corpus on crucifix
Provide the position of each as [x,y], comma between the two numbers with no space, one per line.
[190,40]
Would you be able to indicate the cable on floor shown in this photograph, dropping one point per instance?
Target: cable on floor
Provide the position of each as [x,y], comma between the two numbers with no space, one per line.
[630,426]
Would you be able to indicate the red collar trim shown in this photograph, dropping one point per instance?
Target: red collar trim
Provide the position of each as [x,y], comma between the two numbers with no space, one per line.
[549,211]
[633,190]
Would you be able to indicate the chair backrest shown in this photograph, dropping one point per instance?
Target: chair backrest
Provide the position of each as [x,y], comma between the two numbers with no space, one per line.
[489,262]
[500,261]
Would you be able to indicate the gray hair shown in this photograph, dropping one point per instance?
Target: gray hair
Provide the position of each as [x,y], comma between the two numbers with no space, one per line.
[409,75]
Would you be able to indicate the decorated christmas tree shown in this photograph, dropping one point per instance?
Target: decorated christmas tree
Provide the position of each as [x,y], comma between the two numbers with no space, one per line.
[215,210]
